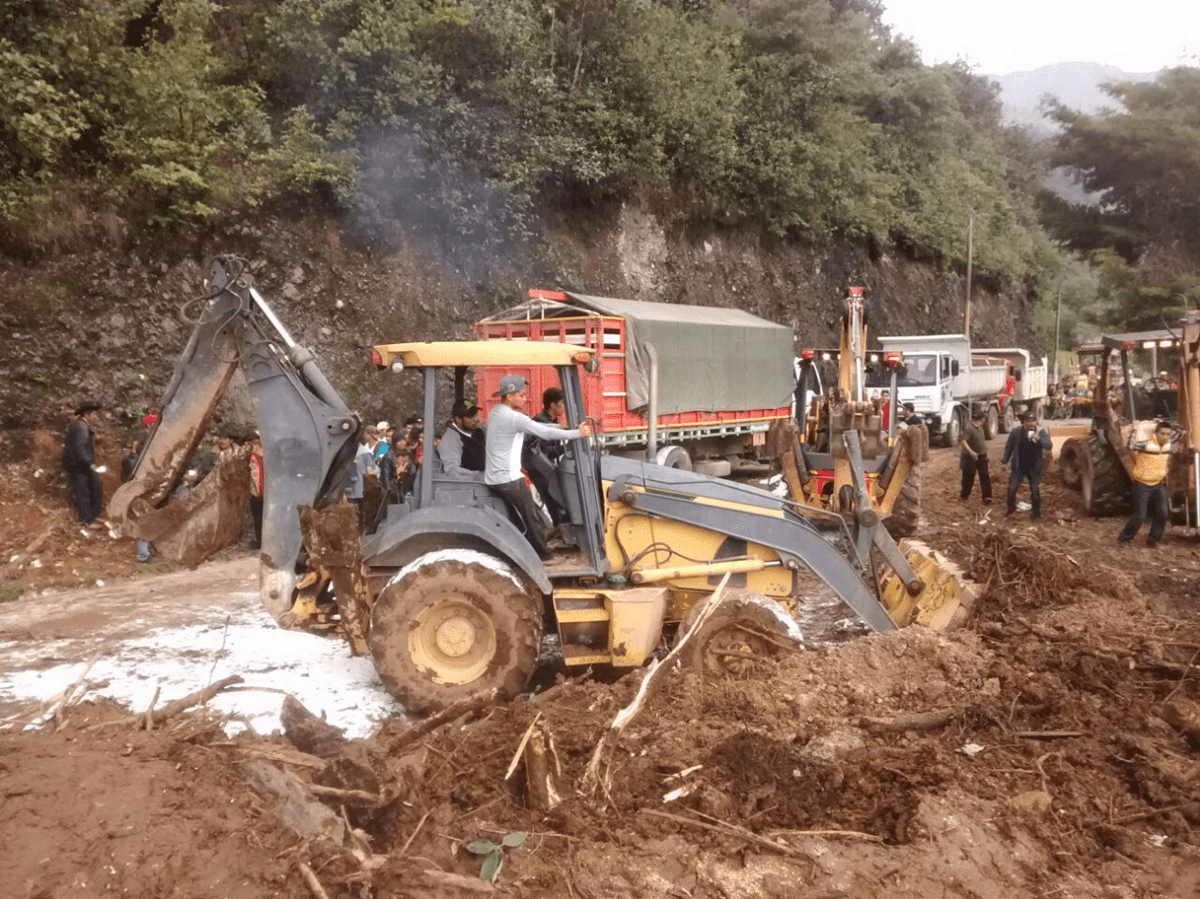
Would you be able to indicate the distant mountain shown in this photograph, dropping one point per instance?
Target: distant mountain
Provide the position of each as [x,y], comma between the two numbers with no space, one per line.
[1077,84]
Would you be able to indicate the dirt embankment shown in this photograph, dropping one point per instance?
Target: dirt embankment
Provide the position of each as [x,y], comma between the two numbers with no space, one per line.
[1050,748]
[112,322]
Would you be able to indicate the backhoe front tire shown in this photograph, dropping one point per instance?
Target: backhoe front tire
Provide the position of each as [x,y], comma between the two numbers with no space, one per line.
[452,625]
[905,519]
[1068,462]
[745,628]
[1103,483]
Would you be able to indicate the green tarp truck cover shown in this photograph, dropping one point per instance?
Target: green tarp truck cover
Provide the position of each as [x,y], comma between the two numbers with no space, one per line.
[710,359]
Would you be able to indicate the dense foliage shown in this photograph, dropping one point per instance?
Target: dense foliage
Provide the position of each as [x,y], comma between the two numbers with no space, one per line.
[1144,162]
[456,120]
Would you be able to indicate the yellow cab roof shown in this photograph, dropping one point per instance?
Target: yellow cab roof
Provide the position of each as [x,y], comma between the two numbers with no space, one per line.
[481,352]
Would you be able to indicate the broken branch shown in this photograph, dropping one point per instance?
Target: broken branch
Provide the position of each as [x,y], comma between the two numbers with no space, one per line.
[916,721]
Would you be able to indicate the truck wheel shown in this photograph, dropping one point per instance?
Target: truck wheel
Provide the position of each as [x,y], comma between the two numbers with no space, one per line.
[1103,483]
[1068,462]
[745,628]
[1009,420]
[991,424]
[674,457]
[452,625]
[953,429]
[905,519]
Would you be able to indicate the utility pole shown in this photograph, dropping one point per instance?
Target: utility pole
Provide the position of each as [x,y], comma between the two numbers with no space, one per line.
[970,254]
[1057,322]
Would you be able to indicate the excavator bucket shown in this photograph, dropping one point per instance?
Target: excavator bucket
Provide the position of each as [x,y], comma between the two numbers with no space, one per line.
[205,519]
[944,599]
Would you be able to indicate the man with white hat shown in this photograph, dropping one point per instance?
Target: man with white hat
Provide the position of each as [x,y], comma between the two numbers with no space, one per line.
[506,430]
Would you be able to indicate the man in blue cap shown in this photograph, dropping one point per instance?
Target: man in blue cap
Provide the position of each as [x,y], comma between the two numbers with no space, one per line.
[506,430]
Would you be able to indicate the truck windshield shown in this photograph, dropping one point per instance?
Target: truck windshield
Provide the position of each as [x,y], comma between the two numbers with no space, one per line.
[922,371]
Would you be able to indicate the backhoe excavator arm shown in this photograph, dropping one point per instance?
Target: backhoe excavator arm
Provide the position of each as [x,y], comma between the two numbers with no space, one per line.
[308,435]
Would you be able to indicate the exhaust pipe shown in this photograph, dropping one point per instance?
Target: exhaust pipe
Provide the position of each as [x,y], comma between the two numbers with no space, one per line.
[652,410]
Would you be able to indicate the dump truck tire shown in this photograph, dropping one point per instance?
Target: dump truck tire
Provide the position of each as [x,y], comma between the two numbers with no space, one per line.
[1103,483]
[1009,420]
[953,430]
[905,519]
[746,627]
[449,627]
[674,457]
[991,423]
[1068,462]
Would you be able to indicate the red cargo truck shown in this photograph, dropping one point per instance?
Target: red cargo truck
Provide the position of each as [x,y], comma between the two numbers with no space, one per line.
[690,386]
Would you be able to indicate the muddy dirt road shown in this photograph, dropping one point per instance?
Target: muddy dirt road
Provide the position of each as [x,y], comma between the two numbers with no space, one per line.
[1050,748]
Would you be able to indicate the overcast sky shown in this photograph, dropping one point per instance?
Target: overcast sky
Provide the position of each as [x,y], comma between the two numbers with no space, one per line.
[997,38]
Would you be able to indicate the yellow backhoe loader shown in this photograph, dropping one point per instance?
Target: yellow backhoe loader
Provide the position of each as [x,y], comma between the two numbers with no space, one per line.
[448,595]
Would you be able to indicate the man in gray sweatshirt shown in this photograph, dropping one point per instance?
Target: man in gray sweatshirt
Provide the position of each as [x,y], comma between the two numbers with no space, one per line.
[506,430]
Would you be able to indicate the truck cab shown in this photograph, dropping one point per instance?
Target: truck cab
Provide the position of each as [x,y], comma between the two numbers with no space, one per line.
[946,381]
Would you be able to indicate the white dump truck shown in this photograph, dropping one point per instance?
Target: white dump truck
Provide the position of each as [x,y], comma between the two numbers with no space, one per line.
[1027,390]
[945,381]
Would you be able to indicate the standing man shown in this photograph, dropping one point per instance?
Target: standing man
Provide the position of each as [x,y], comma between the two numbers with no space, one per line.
[974,459]
[1150,460]
[461,449]
[79,460]
[1025,452]
[507,427]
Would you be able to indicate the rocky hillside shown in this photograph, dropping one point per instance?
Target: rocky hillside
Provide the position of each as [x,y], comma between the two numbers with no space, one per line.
[111,322]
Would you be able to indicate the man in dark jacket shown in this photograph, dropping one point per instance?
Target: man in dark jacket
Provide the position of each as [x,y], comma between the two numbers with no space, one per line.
[1024,453]
[79,460]
[461,448]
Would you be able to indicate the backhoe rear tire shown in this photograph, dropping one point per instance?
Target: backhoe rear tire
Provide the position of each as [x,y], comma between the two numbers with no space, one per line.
[1068,462]
[744,629]
[1103,483]
[452,625]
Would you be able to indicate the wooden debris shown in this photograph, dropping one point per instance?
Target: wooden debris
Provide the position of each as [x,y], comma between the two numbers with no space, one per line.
[34,545]
[462,708]
[171,709]
[307,732]
[729,830]
[541,768]
[917,721]
[591,777]
[516,759]
[310,880]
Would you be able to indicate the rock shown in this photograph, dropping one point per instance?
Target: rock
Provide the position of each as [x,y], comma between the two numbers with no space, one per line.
[829,748]
[1031,802]
[1184,715]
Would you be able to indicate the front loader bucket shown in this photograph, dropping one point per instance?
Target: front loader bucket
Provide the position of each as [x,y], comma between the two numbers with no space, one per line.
[944,602]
